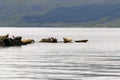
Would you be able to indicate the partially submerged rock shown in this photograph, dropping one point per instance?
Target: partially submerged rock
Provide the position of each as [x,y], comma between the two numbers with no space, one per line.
[19,38]
[84,41]
[49,40]
[4,40]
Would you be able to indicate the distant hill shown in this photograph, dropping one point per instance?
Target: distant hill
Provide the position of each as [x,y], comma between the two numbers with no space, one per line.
[60,13]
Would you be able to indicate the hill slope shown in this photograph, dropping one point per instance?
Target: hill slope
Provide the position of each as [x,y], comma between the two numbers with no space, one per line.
[59,12]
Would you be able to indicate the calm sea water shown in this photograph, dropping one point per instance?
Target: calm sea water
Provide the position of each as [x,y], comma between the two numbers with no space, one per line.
[99,59]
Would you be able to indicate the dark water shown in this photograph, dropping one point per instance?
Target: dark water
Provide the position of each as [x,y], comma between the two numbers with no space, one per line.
[99,59]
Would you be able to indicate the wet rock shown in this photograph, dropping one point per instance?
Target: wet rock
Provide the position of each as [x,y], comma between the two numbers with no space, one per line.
[81,41]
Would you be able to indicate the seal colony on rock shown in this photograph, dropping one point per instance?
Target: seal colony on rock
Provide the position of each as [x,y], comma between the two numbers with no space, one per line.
[5,41]
[49,40]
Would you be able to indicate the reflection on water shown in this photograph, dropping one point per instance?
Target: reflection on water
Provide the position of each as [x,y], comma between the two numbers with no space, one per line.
[99,59]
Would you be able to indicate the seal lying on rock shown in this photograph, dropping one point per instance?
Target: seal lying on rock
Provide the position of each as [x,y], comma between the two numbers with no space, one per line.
[49,40]
[4,37]
[28,41]
[67,40]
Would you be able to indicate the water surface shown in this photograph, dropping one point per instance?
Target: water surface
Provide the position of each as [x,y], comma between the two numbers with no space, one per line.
[99,59]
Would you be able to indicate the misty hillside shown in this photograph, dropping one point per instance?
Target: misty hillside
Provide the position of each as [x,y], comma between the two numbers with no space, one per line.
[59,13]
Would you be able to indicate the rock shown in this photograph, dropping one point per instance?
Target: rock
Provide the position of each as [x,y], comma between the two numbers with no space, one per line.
[81,41]
[19,38]
[4,40]
[17,41]
[54,39]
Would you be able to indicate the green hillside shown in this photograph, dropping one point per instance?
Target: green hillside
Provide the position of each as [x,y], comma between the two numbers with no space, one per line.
[59,13]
